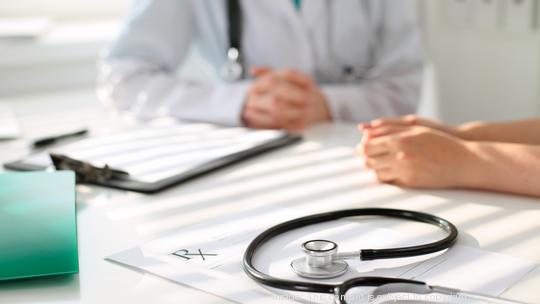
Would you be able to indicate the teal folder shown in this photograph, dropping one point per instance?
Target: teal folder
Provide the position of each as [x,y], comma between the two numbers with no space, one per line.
[38,228]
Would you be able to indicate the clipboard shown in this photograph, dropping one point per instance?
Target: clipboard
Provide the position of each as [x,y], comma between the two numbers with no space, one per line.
[222,146]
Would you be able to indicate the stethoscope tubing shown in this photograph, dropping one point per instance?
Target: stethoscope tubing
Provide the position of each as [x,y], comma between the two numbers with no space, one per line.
[234,31]
[366,254]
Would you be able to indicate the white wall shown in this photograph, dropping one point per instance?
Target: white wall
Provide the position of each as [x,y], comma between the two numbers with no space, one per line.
[64,56]
[64,9]
[486,59]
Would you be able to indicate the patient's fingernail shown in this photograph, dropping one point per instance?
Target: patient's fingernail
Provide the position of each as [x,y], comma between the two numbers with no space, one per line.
[375,122]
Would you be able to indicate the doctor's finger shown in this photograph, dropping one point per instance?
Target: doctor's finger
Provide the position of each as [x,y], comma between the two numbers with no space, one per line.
[259,119]
[293,125]
[295,77]
[291,116]
[262,102]
[291,94]
[257,71]
[264,83]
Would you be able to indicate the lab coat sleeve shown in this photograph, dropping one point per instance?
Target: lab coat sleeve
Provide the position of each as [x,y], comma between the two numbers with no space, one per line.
[393,85]
[139,72]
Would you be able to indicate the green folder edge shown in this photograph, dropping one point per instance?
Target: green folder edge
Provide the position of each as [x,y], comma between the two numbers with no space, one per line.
[36,201]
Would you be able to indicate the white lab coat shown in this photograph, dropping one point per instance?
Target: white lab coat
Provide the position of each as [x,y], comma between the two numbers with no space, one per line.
[379,38]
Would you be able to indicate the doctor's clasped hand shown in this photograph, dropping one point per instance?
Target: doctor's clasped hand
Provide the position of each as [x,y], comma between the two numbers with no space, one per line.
[284,99]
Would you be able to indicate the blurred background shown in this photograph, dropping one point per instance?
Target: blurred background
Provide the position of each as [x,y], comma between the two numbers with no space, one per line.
[482,56]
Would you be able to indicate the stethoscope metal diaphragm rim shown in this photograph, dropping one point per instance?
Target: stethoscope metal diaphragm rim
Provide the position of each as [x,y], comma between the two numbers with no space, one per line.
[318,263]
[333,270]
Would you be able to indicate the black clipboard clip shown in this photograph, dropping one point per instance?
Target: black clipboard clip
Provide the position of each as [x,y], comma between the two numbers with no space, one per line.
[86,172]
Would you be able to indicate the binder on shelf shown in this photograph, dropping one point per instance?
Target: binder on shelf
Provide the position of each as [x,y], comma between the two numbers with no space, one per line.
[39,225]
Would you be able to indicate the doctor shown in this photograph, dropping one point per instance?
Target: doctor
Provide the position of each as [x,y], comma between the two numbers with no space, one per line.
[280,63]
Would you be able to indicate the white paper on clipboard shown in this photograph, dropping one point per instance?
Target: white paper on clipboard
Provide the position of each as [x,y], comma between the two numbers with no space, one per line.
[9,126]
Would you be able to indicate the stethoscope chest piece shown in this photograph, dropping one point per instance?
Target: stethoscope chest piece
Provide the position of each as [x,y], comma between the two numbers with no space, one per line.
[319,261]
[232,70]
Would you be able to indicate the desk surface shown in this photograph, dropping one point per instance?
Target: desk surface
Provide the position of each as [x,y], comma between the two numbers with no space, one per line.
[322,172]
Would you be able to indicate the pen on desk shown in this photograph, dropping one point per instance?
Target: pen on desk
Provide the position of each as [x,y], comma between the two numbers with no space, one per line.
[47,141]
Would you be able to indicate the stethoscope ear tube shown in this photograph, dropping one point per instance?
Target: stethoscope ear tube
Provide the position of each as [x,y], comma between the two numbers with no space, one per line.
[390,253]
[366,254]
[233,69]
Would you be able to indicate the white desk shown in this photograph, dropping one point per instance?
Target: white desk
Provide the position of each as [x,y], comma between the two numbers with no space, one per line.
[321,172]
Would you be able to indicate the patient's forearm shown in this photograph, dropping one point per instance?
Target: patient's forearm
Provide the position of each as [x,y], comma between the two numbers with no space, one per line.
[525,131]
[504,167]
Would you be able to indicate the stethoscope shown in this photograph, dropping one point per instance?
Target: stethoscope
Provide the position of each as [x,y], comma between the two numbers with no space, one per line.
[322,260]
[233,69]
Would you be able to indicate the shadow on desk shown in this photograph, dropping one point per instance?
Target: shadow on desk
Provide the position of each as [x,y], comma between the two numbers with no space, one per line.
[61,288]
[312,177]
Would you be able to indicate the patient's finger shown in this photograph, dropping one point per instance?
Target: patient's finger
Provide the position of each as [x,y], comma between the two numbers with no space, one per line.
[360,149]
[385,130]
[401,120]
[380,162]
[375,147]
[386,175]
[364,126]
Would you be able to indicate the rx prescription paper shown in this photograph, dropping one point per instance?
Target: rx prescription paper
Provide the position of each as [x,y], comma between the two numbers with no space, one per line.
[209,258]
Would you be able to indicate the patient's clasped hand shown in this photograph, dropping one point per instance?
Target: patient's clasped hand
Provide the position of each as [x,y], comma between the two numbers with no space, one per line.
[420,153]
